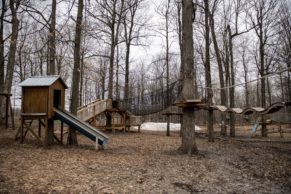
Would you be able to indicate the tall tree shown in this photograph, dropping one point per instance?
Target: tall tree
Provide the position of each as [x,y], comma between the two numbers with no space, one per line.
[263,22]
[52,41]
[188,131]
[129,23]
[208,72]
[72,137]
[2,58]
[223,96]
[14,5]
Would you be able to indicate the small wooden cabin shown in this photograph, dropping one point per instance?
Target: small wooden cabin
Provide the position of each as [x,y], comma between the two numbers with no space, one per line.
[42,94]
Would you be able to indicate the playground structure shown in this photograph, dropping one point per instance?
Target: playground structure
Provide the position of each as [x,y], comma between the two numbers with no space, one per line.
[43,100]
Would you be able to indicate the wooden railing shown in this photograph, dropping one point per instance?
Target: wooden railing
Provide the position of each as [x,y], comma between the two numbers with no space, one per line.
[91,110]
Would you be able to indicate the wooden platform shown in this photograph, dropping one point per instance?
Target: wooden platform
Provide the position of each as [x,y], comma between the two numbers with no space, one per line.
[191,103]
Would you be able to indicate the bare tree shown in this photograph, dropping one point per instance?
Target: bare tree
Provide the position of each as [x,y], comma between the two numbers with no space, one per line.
[72,137]
[208,72]
[129,23]
[52,40]
[14,5]
[262,19]
[223,96]
[188,131]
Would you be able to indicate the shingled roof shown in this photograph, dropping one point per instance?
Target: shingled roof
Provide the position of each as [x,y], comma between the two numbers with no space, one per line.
[42,81]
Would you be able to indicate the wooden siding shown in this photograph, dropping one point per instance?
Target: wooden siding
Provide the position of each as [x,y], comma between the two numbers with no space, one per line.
[34,99]
[40,99]
[58,85]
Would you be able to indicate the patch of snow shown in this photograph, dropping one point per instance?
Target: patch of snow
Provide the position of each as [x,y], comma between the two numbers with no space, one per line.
[151,126]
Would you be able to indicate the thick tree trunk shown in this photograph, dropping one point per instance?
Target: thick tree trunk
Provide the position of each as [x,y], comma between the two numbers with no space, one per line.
[14,4]
[72,137]
[52,40]
[2,58]
[208,73]
[188,130]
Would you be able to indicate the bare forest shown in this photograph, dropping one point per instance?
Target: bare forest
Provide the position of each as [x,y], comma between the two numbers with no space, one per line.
[102,69]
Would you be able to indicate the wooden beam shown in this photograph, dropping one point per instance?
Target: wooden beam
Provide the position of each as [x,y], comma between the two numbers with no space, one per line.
[33,133]
[12,117]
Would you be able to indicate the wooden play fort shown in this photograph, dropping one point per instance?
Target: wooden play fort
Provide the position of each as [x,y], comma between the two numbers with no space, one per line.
[43,100]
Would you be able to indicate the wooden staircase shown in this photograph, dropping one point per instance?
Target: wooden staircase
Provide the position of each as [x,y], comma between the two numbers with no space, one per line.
[90,111]
[93,109]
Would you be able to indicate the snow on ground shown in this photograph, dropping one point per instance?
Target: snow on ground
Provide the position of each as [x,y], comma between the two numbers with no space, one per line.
[151,126]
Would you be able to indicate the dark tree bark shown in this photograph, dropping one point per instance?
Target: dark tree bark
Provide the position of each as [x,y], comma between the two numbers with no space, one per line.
[223,96]
[128,31]
[247,93]
[262,21]
[208,72]
[232,83]
[114,27]
[14,5]
[72,137]
[188,130]
[2,58]
[52,40]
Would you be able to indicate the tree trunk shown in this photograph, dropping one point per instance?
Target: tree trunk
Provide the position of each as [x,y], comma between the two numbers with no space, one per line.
[220,73]
[246,80]
[114,42]
[262,72]
[2,59]
[232,83]
[52,40]
[72,137]
[14,4]
[269,91]
[167,55]
[188,130]
[208,73]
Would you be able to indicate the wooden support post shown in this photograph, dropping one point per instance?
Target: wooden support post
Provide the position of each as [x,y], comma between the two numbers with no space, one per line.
[168,125]
[139,128]
[21,130]
[39,128]
[50,131]
[6,111]
[62,131]
[12,116]
[113,120]
[280,130]
[123,121]
[46,133]
[96,144]
[94,115]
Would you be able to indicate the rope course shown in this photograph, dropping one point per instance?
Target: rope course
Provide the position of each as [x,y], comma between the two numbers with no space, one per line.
[158,100]
[151,102]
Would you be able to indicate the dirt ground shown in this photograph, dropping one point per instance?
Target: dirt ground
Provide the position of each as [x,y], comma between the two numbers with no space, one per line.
[146,162]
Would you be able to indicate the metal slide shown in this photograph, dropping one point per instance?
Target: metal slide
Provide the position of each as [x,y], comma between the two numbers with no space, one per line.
[81,126]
